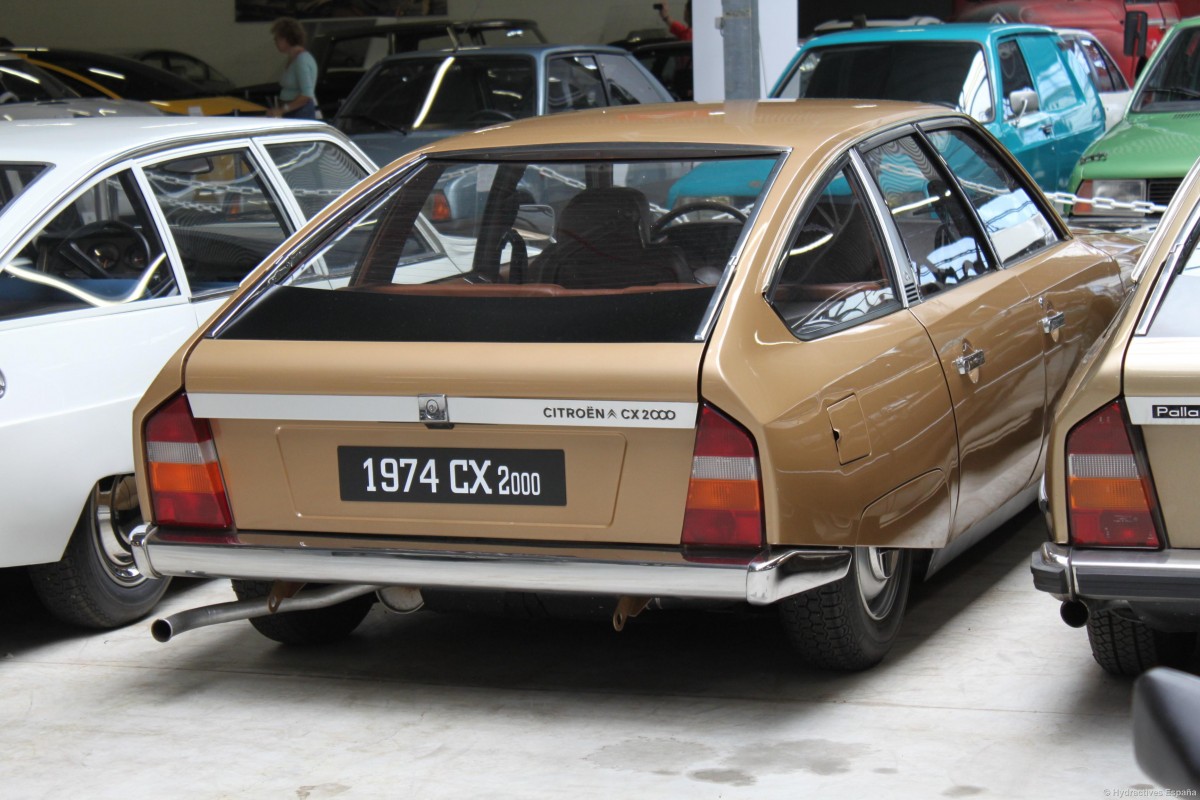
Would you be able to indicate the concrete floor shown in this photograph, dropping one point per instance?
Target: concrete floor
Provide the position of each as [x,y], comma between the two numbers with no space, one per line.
[987,695]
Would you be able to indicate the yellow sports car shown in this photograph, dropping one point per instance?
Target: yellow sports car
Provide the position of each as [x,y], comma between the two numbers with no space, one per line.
[787,354]
[1124,554]
[116,77]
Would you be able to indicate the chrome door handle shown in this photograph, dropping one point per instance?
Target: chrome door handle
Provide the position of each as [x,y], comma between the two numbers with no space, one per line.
[1053,322]
[968,362]
[3,384]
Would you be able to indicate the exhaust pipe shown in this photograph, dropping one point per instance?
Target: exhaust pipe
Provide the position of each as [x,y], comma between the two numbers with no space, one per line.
[1074,613]
[164,629]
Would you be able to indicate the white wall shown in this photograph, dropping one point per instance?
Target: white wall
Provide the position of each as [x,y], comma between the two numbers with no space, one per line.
[244,51]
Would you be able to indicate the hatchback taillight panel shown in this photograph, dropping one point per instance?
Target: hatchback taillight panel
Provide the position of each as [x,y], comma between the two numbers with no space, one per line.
[1110,496]
[724,502]
[186,487]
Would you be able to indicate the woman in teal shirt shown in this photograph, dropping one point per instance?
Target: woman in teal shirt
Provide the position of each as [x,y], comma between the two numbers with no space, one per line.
[298,84]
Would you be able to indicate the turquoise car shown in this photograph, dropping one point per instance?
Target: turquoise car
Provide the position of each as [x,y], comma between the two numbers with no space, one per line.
[1143,159]
[1020,81]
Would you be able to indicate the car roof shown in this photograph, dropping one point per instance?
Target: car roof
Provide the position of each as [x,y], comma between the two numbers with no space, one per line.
[433,25]
[535,50]
[803,125]
[980,32]
[83,144]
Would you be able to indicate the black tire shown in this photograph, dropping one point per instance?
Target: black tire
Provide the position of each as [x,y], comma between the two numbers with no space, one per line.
[314,626]
[1128,647]
[852,623]
[96,584]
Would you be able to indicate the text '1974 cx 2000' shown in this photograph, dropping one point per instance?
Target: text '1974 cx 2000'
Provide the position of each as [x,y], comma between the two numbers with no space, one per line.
[784,353]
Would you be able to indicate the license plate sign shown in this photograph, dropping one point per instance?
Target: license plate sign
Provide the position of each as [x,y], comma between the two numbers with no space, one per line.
[452,475]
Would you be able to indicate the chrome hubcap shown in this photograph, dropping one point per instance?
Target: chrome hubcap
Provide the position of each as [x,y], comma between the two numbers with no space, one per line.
[875,573]
[115,514]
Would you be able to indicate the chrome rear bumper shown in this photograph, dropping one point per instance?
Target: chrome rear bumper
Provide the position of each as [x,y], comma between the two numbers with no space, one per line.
[1152,575]
[766,579]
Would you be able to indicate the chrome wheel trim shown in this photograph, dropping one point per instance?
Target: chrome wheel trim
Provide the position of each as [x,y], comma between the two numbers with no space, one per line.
[875,573]
[115,513]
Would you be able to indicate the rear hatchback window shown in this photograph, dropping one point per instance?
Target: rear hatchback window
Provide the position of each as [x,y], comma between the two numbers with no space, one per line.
[523,251]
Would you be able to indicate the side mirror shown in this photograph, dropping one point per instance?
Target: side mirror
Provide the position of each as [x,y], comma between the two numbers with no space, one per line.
[1166,727]
[1137,32]
[1023,101]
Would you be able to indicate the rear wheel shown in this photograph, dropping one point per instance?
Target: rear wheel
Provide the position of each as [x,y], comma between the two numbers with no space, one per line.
[96,584]
[313,626]
[1125,646]
[852,623]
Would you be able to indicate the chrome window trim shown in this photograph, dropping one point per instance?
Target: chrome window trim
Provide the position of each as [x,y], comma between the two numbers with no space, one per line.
[902,271]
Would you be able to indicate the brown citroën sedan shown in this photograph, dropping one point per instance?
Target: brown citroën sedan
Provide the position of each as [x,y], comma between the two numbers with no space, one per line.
[777,353]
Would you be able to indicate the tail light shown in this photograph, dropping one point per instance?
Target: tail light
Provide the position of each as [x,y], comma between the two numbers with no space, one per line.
[438,209]
[185,479]
[1110,495]
[724,502]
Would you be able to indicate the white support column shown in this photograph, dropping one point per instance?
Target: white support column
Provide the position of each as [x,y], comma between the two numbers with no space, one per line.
[761,54]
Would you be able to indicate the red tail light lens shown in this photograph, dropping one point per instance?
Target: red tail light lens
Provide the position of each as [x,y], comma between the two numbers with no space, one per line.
[186,488]
[724,503]
[439,208]
[1110,498]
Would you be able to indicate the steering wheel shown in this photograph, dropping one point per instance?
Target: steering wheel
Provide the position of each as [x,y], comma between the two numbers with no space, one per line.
[485,116]
[99,248]
[8,97]
[687,208]
[519,261]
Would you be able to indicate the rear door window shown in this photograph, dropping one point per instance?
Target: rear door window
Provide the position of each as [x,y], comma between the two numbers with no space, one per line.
[1016,225]
[221,213]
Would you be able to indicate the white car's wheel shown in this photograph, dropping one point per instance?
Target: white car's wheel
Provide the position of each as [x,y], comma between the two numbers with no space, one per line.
[96,584]
[851,624]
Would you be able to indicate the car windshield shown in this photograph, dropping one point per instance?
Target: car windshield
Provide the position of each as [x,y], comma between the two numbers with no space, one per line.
[952,74]
[22,82]
[14,178]
[524,251]
[441,93]
[1174,82]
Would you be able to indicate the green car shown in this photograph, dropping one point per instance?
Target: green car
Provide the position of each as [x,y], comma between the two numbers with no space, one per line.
[1142,160]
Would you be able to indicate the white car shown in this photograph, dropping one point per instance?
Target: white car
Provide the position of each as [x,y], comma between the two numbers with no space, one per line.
[118,237]
[1110,81]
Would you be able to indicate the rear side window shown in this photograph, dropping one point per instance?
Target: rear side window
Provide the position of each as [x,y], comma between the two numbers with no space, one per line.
[14,178]
[517,251]
[574,84]
[627,84]
[835,274]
